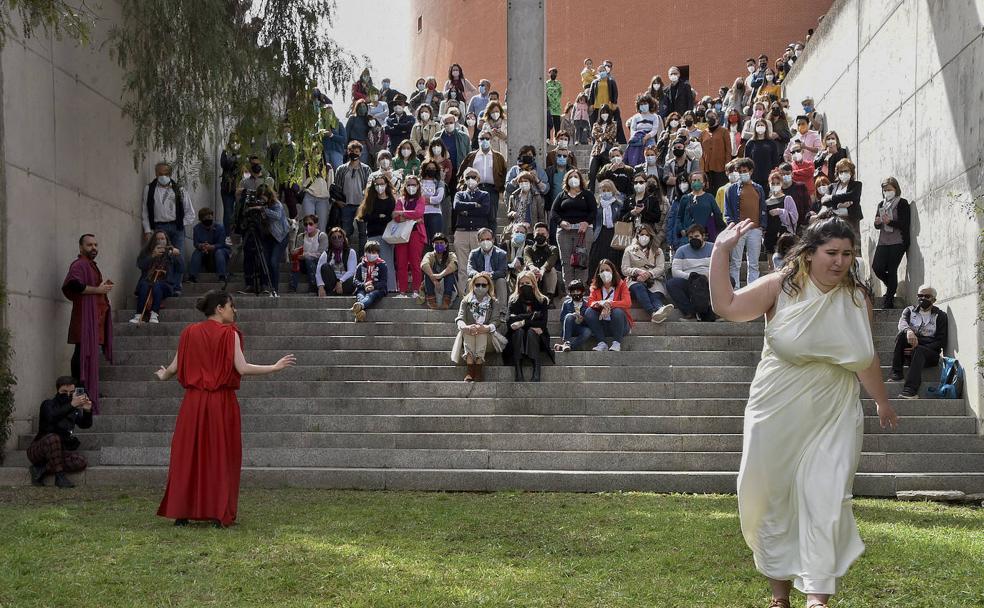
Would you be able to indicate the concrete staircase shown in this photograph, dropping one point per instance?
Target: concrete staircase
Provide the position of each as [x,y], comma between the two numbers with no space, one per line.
[378,405]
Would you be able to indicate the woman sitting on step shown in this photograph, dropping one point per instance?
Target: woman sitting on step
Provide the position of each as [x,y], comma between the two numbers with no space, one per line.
[476,326]
[527,322]
[608,307]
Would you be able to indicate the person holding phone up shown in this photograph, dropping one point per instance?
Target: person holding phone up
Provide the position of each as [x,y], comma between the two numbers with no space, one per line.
[53,450]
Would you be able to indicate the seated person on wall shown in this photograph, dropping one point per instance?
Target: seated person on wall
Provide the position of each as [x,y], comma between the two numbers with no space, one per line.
[608,307]
[370,281]
[477,330]
[527,322]
[160,276]
[576,331]
[689,287]
[53,451]
[515,245]
[493,260]
[335,273]
[313,245]
[644,267]
[440,268]
[541,257]
[923,332]
[210,248]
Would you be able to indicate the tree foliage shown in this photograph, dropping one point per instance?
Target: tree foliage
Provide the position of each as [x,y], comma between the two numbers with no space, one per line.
[195,69]
[56,17]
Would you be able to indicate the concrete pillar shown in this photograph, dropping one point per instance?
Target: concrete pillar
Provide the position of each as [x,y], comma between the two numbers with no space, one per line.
[525,57]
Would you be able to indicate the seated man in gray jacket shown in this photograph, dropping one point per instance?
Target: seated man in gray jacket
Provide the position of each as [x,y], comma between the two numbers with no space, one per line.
[493,260]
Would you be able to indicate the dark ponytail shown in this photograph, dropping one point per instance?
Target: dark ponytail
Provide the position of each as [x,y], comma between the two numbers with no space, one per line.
[212,300]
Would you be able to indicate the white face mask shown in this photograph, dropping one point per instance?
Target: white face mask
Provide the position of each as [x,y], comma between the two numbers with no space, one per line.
[650,159]
[398,109]
[831,143]
[751,69]
[674,77]
[436,151]
[606,276]
[844,176]
[639,188]
[486,245]
[745,177]
[470,122]
[372,122]
[733,177]
[823,189]
[787,180]
[605,116]
[405,153]
[798,156]
[562,143]
[385,163]
[644,240]
[684,186]
[372,257]
[888,194]
[425,116]
[411,190]
[760,129]
[607,197]
[775,188]
[674,124]
[472,183]
[524,186]
[381,188]
[448,127]
[769,77]
[164,180]
[494,115]
[574,182]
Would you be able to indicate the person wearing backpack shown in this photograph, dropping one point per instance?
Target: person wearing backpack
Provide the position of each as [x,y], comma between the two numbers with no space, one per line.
[923,332]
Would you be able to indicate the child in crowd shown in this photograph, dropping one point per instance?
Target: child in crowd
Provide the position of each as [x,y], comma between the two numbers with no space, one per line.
[370,281]
[581,116]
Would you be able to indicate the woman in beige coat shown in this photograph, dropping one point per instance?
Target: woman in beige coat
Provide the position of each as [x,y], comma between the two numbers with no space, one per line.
[644,267]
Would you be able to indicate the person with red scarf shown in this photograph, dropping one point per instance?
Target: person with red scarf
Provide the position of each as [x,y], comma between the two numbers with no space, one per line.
[91,327]
[206,449]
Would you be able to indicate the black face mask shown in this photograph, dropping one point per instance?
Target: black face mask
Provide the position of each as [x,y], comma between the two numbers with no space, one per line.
[696,243]
[430,174]
[526,160]
[925,303]
[677,152]
[208,223]
[526,291]
[352,156]
[577,297]
[689,122]
[256,169]
[540,239]
[62,399]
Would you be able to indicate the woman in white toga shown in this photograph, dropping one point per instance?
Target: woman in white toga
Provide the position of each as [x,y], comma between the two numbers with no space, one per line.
[803,423]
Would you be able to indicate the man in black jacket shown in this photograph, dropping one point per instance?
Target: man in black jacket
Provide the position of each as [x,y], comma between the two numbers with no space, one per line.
[53,448]
[922,329]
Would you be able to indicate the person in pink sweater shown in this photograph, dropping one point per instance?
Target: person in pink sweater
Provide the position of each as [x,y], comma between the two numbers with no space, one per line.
[410,208]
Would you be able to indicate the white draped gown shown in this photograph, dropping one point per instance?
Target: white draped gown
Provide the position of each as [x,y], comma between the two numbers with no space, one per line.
[802,439]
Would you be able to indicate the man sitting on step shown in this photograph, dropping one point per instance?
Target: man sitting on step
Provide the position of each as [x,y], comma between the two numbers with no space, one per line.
[53,449]
[493,260]
[922,334]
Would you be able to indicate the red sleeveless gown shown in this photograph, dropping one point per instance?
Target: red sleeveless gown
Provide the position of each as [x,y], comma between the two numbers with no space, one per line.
[206,450]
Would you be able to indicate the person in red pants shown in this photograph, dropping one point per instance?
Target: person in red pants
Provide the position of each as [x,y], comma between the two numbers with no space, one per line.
[410,208]
[53,449]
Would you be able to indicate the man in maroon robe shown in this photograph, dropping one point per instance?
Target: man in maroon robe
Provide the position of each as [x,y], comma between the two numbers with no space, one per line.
[92,324]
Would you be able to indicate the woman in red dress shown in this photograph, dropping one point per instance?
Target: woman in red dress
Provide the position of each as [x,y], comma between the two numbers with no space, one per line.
[206,450]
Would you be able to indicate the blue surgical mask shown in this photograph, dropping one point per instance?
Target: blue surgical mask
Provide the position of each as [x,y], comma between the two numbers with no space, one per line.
[807,109]
[717,107]
[485,144]
[482,89]
[644,108]
[561,161]
[602,74]
[745,177]
[518,239]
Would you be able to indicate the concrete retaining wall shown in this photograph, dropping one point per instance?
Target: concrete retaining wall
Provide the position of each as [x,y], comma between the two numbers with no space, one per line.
[68,171]
[901,83]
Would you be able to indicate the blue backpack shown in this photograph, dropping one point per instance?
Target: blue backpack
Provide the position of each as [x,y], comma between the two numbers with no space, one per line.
[951,380]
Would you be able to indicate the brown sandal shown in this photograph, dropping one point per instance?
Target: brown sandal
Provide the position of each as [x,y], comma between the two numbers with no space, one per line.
[818,605]
[470,376]
[779,603]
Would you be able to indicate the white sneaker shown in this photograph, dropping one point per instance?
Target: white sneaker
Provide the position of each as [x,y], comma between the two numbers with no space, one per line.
[616,347]
[601,347]
[136,319]
[660,315]
[153,318]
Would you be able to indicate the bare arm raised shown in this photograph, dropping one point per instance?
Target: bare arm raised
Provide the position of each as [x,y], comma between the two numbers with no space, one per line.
[248,369]
[749,302]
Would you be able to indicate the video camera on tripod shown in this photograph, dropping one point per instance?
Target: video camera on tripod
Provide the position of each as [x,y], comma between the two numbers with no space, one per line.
[252,225]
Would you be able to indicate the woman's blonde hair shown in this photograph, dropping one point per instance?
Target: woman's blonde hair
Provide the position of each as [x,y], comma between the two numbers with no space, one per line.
[536,287]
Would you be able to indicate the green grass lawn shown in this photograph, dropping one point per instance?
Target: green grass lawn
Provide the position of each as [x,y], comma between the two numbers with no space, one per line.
[104,548]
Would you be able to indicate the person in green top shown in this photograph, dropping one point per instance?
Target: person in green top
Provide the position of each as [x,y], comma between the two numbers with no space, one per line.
[555,92]
[406,161]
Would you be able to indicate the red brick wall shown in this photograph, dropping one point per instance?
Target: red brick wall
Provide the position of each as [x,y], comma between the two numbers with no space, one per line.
[638,37]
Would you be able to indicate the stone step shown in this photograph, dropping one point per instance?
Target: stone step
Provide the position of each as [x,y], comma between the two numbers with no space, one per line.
[512,423]
[551,441]
[533,460]
[484,480]
[492,373]
[547,406]
[440,390]
[882,331]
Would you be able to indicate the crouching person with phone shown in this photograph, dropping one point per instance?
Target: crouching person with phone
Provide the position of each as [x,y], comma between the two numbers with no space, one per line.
[53,451]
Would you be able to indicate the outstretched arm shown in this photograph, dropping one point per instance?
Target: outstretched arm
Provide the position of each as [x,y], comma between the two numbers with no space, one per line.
[166,373]
[248,369]
[749,302]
